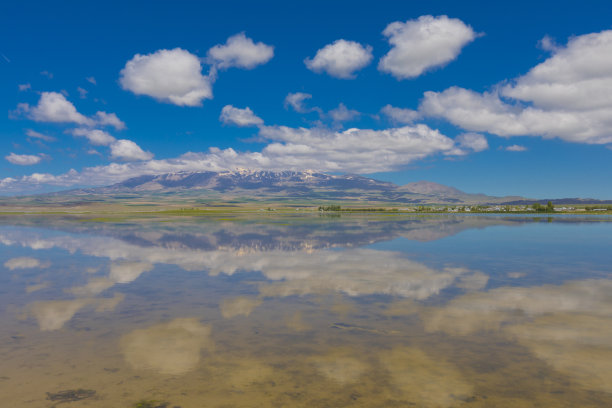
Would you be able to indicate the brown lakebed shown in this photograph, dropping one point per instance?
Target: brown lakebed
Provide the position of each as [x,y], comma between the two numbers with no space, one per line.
[308,311]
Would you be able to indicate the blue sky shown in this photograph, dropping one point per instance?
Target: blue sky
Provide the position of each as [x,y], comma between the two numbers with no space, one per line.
[504,99]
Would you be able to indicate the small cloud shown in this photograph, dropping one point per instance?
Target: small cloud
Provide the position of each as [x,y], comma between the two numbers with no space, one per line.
[548,43]
[24,263]
[36,287]
[343,114]
[47,74]
[296,101]
[37,135]
[341,59]
[24,87]
[400,115]
[239,117]
[516,148]
[82,92]
[126,272]
[95,136]
[94,152]
[240,306]
[467,143]
[472,141]
[108,119]
[91,80]
[127,150]
[23,159]
[241,52]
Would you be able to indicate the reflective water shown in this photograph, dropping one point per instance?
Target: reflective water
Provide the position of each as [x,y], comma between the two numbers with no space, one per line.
[306,311]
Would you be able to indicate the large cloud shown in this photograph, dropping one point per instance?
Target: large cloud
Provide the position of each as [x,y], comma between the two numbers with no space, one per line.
[341,59]
[422,44]
[241,52]
[568,96]
[172,76]
[353,151]
[54,107]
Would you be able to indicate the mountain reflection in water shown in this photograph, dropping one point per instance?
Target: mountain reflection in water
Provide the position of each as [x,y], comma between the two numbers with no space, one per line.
[436,311]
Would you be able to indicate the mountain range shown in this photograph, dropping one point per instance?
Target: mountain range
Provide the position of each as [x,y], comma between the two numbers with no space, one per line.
[290,185]
[298,187]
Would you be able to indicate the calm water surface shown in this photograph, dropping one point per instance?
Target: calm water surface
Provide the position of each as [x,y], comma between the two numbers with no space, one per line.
[306,311]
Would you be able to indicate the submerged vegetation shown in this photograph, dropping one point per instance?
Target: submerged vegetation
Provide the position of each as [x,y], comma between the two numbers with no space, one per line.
[152,404]
[70,395]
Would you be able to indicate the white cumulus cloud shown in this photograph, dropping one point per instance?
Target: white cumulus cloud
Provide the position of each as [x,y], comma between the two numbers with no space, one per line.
[171,76]
[341,59]
[23,159]
[568,96]
[425,43]
[239,117]
[360,151]
[241,52]
[127,150]
[53,107]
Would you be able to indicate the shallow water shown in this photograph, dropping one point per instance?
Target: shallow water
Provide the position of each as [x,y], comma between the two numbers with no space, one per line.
[306,311]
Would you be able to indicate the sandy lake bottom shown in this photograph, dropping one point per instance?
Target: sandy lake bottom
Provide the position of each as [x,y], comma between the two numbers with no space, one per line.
[306,311]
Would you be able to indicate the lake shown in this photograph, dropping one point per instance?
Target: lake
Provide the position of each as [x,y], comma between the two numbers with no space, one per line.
[306,310]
